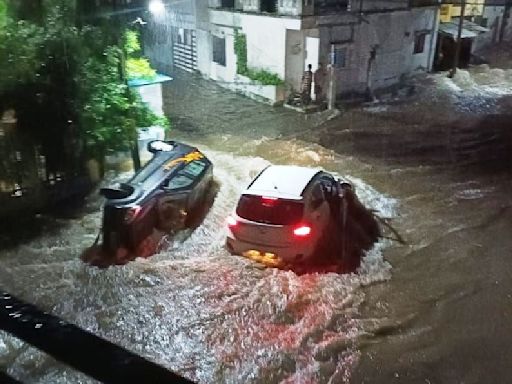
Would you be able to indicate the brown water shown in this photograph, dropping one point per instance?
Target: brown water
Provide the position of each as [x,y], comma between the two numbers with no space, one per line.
[435,311]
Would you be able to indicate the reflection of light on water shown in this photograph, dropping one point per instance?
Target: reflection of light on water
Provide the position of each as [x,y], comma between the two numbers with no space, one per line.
[195,308]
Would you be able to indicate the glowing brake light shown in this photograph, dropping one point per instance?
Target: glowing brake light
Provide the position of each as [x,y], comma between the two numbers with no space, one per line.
[231,221]
[268,201]
[131,213]
[302,231]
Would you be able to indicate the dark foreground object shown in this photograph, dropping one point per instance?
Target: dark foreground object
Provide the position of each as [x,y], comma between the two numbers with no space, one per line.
[96,357]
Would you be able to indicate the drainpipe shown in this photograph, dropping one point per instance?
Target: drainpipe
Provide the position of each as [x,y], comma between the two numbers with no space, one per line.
[433,41]
[369,71]
[332,82]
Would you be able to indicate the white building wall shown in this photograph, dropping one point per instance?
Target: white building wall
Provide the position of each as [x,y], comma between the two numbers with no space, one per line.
[224,73]
[266,41]
[204,51]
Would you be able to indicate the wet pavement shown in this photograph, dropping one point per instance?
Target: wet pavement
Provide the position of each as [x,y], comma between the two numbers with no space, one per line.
[437,310]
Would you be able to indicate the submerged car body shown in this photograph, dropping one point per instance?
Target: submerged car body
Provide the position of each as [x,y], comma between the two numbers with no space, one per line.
[296,215]
[281,213]
[164,194]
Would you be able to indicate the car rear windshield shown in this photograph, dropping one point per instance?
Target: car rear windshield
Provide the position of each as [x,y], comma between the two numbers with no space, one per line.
[270,211]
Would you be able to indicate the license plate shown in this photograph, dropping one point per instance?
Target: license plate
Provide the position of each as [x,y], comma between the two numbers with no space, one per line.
[266,258]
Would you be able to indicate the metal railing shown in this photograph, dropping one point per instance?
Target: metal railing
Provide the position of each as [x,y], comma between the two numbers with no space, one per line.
[80,349]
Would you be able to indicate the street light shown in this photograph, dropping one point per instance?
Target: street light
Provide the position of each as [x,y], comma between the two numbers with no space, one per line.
[156,7]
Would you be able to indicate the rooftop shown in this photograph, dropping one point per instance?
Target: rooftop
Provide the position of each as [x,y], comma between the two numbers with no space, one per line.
[285,181]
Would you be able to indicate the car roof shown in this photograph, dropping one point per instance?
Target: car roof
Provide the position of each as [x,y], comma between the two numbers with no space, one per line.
[282,181]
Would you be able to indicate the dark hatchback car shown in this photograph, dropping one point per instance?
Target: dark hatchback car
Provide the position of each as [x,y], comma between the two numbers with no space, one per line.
[167,194]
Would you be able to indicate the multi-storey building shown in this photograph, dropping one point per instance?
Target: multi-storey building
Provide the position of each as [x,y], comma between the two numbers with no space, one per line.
[371,45]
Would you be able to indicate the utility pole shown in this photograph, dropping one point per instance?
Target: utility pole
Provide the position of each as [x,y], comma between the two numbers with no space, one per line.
[459,39]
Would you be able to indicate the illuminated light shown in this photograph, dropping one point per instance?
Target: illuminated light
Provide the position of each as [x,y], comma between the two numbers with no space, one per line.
[231,221]
[131,213]
[156,7]
[268,259]
[302,231]
[268,201]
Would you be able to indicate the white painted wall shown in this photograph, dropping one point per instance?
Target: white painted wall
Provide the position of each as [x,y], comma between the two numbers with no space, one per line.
[294,61]
[266,41]
[219,72]
[204,51]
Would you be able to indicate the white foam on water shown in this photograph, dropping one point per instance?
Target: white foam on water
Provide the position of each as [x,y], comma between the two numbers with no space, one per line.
[196,309]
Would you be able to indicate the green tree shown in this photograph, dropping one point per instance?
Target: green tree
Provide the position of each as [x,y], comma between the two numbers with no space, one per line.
[66,82]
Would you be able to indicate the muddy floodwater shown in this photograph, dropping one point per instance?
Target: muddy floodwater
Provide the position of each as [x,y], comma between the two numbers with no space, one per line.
[436,310]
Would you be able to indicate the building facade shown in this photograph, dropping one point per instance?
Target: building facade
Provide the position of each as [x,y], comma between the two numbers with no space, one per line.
[371,45]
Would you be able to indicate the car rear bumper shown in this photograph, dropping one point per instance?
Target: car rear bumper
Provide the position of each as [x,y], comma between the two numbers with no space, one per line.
[287,254]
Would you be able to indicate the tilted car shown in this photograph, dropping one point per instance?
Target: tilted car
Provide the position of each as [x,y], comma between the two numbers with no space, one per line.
[282,213]
[290,214]
[165,194]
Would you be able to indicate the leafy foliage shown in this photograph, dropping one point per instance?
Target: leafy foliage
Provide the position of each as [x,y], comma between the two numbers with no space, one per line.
[131,42]
[19,53]
[139,68]
[263,77]
[67,82]
[240,47]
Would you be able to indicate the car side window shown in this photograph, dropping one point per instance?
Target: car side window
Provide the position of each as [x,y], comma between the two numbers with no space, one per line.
[179,181]
[194,168]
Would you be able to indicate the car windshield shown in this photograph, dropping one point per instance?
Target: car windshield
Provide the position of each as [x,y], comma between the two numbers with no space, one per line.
[270,211]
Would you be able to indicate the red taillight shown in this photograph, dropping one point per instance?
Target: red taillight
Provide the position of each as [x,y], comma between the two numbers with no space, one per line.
[231,221]
[268,201]
[302,231]
[131,214]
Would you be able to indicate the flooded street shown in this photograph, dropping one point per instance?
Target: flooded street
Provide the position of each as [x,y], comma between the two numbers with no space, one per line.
[437,310]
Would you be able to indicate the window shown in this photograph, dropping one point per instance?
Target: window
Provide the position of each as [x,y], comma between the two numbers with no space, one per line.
[179,181]
[227,4]
[269,6]
[339,57]
[219,50]
[194,168]
[419,42]
[277,212]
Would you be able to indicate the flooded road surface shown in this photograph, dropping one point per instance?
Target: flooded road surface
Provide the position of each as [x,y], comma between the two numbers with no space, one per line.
[435,311]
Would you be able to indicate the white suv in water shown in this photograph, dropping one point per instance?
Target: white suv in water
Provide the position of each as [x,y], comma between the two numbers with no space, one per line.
[282,214]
